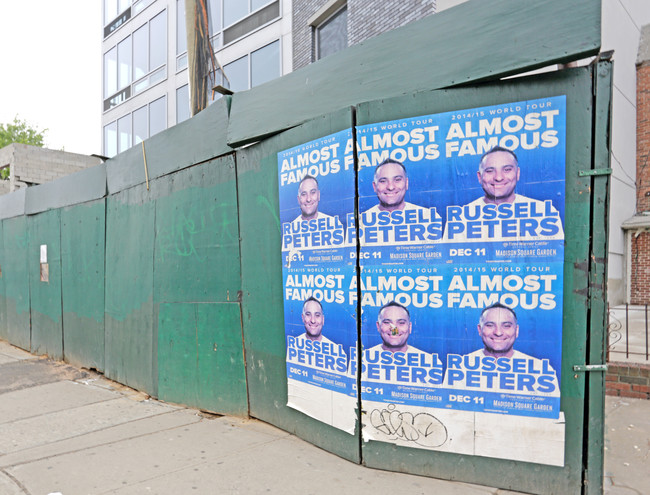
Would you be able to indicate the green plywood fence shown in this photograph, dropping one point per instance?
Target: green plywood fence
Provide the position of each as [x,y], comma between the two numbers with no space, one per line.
[262,301]
[15,275]
[164,266]
[197,286]
[197,234]
[45,283]
[82,269]
[200,356]
[3,302]
[129,343]
[576,84]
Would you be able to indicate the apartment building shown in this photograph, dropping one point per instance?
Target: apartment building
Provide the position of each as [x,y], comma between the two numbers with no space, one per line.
[145,61]
[145,66]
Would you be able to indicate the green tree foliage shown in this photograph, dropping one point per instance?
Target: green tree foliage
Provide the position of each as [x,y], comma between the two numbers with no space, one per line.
[19,131]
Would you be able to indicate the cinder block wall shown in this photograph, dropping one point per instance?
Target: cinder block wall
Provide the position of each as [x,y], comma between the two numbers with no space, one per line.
[366,18]
[39,165]
[628,380]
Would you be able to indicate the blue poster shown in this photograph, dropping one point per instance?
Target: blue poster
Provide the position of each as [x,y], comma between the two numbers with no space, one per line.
[447,230]
[461,219]
[317,196]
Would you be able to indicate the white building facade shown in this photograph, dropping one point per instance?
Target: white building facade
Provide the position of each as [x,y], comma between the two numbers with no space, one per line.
[145,77]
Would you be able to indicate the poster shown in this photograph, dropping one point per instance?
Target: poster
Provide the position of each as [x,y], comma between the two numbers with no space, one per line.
[317,196]
[461,228]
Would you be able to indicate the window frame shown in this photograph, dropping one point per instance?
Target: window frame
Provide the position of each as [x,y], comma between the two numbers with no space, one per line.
[317,29]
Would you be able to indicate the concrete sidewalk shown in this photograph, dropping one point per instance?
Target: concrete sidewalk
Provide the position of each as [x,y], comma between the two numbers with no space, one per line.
[70,431]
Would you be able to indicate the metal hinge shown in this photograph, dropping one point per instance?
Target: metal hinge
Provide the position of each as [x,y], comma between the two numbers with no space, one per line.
[590,367]
[595,171]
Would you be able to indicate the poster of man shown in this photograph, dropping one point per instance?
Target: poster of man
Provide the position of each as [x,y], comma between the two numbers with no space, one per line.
[316,192]
[498,174]
[488,292]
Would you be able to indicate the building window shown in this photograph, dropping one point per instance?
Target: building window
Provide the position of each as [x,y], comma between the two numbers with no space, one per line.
[140,124]
[265,64]
[110,139]
[249,71]
[137,62]
[157,116]
[214,16]
[235,10]
[117,67]
[150,52]
[182,103]
[113,8]
[124,133]
[237,74]
[181,36]
[124,63]
[331,35]
[133,128]
[110,72]
[139,5]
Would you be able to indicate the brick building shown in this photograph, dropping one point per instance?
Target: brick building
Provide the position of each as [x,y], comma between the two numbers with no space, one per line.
[637,228]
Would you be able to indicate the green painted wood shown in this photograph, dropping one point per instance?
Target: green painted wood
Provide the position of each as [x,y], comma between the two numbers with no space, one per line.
[82,186]
[13,204]
[3,302]
[513,475]
[197,234]
[200,357]
[193,141]
[262,302]
[595,411]
[82,270]
[129,340]
[15,273]
[45,296]
[475,41]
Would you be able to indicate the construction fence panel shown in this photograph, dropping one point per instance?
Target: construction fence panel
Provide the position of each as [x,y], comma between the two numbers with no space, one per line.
[83,231]
[262,286]
[44,260]
[16,279]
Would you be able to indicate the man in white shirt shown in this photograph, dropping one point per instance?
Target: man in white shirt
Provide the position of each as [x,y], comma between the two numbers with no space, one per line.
[319,360]
[390,184]
[501,213]
[394,326]
[394,221]
[313,319]
[308,199]
[498,367]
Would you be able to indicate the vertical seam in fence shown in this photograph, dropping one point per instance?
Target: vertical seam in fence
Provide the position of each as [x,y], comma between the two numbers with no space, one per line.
[358,277]
[61,281]
[240,296]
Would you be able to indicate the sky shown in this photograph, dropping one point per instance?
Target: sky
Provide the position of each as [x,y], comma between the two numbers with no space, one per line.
[50,70]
